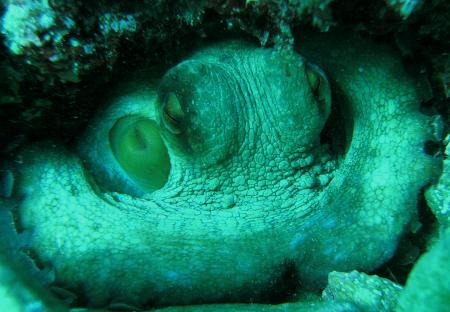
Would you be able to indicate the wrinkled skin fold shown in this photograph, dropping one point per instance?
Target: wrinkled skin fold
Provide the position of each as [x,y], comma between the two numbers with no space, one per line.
[254,189]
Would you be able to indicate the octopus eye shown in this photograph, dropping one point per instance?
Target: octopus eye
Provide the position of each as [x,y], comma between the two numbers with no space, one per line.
[137,145]
[172,113]
[315,81]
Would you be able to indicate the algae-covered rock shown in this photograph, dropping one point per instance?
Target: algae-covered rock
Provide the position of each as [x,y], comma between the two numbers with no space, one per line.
[438,195]
[370,293]
[20,293]
[428,285]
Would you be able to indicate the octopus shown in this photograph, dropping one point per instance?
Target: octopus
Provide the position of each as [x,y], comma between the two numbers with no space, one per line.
[240,168]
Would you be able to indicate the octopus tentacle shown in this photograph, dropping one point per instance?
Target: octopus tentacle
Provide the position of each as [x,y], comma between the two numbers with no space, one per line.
[373,197]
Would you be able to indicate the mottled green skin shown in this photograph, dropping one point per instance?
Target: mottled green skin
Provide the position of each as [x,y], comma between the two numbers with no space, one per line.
[251,190]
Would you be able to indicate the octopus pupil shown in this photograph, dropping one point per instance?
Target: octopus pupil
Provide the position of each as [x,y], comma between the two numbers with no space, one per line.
[317,88]
[171,118]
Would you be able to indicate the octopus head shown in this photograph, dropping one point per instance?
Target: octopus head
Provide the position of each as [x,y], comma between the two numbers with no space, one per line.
[221,114]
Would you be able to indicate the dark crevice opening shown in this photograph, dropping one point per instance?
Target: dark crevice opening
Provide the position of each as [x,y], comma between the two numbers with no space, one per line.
[432,148]
[337,132]
[283,288]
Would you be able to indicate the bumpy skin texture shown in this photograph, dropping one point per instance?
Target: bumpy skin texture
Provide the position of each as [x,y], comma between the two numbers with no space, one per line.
[252,191]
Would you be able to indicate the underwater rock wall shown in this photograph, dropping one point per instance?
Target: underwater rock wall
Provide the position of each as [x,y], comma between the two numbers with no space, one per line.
[57,55]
